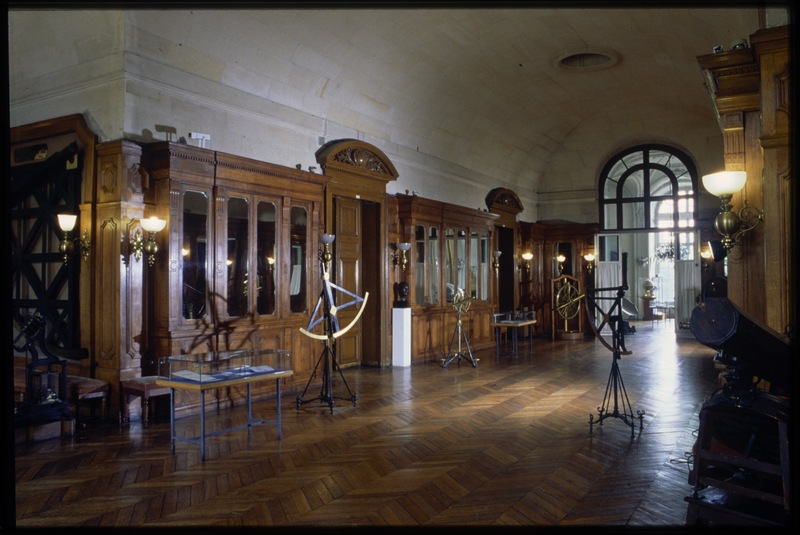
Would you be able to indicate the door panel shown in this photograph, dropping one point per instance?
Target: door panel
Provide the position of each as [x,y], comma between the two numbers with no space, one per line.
[347,214]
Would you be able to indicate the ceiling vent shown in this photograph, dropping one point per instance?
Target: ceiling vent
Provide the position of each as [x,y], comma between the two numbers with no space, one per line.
[585,59]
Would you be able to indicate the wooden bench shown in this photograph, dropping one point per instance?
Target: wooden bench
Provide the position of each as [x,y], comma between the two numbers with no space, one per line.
[85,389]
[141,387]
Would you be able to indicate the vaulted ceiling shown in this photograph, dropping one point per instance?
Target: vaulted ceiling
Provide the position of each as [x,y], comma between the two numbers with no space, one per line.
[501,91]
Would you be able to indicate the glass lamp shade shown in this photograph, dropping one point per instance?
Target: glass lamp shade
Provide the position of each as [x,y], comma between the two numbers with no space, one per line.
[724,182]
[404,246]
[67,222]
[153,224]
[527,256]
[327,239]
[589,257]
[497,254]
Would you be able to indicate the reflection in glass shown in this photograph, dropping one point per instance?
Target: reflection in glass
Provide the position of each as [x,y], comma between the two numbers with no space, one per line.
[450,262]
[299,240]
[194,254]
[238,254]
[473,265]
[266,260]
[483,258]
[433,265]
[419,265]
[461,261]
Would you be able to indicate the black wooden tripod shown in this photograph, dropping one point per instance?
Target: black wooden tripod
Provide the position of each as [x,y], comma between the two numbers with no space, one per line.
[328,361]
[615,388]
[326,313]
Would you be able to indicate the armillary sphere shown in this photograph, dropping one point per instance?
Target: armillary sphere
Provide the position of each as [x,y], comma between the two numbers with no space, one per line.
[611,318]
[568,301]
[461,302]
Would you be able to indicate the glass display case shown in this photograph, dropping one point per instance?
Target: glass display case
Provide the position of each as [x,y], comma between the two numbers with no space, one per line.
[213,367]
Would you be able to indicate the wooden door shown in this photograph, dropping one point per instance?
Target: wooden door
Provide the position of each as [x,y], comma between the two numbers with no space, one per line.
[347,276]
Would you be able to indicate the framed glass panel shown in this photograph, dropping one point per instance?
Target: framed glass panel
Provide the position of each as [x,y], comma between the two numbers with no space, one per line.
[461,261]
[609,248]
[483,266]
[433,265]
[419,265]
[474,252]
[610,214]
[195,254]
[238,255]
[265,257]
[450,263]
[633,215]
[299,241]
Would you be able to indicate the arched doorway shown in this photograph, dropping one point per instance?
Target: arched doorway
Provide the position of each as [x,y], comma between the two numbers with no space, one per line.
[355,211]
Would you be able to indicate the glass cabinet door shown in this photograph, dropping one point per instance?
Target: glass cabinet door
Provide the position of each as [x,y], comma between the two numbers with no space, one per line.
[433,266]
[238,255]
[195,254]
[450,262]
[299,240]
[265,257]
[419,265]
[461,261]
[483,266]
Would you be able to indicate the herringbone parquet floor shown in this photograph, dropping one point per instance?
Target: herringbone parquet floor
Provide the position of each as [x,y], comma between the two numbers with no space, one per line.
[506,443]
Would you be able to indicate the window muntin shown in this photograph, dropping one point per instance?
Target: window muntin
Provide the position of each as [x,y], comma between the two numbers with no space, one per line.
[635,181]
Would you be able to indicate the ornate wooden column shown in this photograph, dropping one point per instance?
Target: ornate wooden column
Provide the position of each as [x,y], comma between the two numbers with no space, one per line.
[118,304]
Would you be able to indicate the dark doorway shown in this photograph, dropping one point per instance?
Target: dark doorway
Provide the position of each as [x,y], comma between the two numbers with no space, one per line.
[506,274]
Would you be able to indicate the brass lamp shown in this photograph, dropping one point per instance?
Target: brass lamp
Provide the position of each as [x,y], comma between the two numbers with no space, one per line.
[589,257]
[399,257]
[496,261]
[561,259]
[526,259]
[67,246]
[152,226]
[325,255]
[729,224]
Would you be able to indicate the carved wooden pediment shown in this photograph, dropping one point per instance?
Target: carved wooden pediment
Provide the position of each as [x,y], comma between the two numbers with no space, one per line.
[355,157]
[502,199]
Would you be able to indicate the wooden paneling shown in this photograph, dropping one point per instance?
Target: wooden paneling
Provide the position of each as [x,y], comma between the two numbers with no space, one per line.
[750,92]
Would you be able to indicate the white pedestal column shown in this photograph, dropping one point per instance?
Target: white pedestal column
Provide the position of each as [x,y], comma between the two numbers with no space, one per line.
[401,337]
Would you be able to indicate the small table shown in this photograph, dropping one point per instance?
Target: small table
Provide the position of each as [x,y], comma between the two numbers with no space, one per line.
[141,387]
[222,378]
[513,326]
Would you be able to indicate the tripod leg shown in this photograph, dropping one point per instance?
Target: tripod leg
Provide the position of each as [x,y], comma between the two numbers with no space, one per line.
[311,378]
[450,354]
[469,349]
[352,397]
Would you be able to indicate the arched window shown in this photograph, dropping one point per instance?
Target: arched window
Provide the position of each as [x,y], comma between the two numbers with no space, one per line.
[648,187]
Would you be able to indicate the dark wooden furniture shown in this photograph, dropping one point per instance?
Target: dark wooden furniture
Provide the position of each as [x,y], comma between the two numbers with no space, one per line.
[141,387]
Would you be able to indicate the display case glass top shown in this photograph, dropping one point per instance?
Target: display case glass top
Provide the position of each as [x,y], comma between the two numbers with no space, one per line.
[226,366]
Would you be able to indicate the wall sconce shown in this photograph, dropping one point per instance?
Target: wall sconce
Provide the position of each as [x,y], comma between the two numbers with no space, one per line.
[589,257]
[526,261]
[496,261]
[399,255]
[152,226]
[325,255]
[561,259]
[728,223]
[706,254]
[67,223]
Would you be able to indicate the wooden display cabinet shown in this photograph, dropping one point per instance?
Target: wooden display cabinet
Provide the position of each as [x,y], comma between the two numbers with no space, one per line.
[450,252]
[548,239]
[238,230]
